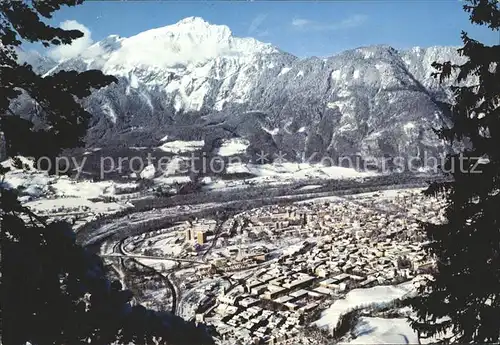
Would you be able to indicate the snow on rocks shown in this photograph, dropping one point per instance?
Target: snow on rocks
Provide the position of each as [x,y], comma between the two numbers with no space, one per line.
[375,330]
[148,172]
[180,146]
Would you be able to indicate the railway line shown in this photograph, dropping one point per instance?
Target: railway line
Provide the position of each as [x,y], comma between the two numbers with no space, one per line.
[117,230]
[160,258]
[145,220]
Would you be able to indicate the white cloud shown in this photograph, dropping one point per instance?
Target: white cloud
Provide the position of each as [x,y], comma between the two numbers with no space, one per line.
[311,25]
[66,51]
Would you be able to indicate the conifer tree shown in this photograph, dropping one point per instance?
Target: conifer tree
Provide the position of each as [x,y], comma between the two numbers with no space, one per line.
[52,290]
[461,302]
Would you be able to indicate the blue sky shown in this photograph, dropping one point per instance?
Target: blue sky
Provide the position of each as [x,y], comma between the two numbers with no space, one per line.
[303,28]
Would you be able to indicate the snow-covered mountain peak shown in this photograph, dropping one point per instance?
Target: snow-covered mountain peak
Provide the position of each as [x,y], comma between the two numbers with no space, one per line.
[367,100]
[191,20]
[199,27]
[187,44]
[193,29]
[375,51]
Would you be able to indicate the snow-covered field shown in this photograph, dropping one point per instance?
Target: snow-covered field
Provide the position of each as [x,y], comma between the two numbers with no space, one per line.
[387,194]
[162,245]
[232,147]
[375,330]
[273,174]
[310,187]
[278,174]
[180,146]
[298,171]
[378,295]
[63,205]
[58,194]
[161,266]
[290,250]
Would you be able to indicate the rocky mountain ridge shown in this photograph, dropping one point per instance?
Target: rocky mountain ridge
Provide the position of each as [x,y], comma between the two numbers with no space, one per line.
[194,80]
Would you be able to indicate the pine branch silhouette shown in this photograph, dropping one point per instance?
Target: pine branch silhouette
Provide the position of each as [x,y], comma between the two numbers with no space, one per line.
[53,290]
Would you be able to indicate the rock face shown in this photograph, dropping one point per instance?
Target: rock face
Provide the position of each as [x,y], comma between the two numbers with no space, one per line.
[193,80]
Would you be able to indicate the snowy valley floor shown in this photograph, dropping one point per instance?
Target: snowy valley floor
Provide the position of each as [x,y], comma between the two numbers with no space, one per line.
[338,247]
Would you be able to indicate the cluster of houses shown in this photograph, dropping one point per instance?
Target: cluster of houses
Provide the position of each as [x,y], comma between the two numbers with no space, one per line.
[298,258]
[342,245]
